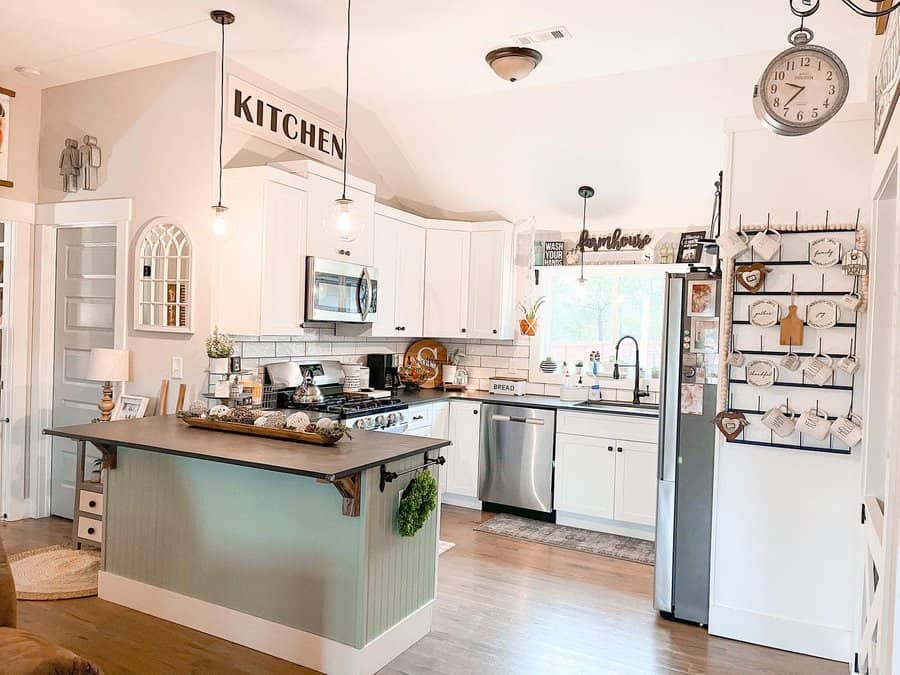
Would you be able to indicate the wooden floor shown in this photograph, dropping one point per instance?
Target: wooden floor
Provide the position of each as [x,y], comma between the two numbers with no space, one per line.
[504,607]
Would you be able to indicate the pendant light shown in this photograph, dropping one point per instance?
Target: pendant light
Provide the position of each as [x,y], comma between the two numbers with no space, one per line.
[223,18]
[585,192]
[342,218]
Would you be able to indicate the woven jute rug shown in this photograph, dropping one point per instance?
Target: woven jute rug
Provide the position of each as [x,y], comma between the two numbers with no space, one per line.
[598,543]
[55,573]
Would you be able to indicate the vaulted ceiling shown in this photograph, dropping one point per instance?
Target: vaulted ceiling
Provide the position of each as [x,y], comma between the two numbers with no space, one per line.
[633,103]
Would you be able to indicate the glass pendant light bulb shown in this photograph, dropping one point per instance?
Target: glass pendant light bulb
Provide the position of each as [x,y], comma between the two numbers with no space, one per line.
[219,224]
[581,289]
[343,219]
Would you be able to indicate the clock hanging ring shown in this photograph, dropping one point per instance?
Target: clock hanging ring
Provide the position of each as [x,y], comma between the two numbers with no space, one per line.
[803,87]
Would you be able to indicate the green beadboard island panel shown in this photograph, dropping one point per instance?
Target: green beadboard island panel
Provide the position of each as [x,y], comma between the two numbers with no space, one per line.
[268,544]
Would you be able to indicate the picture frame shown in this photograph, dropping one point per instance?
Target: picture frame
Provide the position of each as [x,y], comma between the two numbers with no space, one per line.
[130,407]
[704,335]
[690,250]
[702,297]
[6,97]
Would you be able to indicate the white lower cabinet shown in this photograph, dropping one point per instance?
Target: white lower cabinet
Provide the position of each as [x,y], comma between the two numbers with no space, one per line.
[605,476]
[462,456]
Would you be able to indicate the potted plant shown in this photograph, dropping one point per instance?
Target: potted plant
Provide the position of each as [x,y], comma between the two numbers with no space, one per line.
[219,348]
[449,368]
[528,324]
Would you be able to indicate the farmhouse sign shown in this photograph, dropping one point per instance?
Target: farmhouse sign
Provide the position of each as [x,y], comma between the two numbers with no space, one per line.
[616,241]
[266,116]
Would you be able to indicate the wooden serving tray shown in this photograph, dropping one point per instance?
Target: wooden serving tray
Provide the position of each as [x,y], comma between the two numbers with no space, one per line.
[251,430]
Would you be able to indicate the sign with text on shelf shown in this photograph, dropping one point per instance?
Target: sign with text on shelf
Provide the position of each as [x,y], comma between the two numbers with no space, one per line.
[614,241]
[266,116]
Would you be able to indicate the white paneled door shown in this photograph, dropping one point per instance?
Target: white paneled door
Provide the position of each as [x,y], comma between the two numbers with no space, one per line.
[84,318]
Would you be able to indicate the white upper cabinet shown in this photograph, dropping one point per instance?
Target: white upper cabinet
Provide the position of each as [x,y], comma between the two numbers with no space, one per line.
[490,283]
[322,240]
[446,283]
[260,277]
[400,261]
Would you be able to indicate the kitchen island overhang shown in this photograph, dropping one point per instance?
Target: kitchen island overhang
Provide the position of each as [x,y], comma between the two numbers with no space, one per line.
[246,539]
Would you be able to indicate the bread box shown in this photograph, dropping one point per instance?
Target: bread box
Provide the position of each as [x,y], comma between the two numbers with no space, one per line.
[509,386]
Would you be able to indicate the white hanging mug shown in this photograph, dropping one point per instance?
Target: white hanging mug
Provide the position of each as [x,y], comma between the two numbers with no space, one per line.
[780,420]
[815,423]
[732,243]
[766,243]
[847,429]
[851,301]
[736,359]
[791,362]
[849,364]
[818,368]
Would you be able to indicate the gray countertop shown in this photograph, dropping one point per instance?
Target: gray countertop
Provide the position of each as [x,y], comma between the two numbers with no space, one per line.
[533,401]
[168,434]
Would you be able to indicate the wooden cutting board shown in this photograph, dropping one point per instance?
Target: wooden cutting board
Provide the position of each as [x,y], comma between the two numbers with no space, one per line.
[792,328]
[431,353]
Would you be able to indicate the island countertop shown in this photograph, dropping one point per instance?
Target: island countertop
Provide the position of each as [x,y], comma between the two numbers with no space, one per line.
[169,435]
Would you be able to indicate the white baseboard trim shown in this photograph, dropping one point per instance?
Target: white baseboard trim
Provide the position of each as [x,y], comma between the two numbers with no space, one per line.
[646,532]
[461,500]
[291,644]
[826,642]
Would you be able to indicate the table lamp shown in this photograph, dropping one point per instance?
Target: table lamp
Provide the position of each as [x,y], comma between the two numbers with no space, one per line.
[108,366]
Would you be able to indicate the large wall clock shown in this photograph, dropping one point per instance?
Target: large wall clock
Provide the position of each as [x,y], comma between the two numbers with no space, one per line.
[802,88]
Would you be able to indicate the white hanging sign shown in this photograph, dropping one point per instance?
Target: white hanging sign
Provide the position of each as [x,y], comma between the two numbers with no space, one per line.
[262,114]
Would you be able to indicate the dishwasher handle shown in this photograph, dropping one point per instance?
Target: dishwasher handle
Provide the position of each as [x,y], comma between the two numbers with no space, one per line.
[517,420]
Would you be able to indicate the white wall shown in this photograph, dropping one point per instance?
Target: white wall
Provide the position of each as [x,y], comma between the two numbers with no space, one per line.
[786,563]
[156,128]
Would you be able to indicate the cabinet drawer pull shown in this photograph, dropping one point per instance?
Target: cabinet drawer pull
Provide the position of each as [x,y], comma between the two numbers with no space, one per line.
[619,449]
[92,504]
[495,331]
[418,417]
[610,448]
[462,330]
[474,412]
[90,530]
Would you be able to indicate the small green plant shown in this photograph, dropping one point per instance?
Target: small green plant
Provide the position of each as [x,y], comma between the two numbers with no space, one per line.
[530,312]
[417,504]
[219,346]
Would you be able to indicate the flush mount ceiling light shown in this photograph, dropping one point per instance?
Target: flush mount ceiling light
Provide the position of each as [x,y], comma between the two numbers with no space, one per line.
[28,71]
[223,18]
[513,63]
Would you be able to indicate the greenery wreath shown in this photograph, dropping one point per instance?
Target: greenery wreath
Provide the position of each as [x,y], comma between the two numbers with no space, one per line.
[417,503]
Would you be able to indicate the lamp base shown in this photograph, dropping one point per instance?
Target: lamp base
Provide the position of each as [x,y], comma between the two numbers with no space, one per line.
[106,405]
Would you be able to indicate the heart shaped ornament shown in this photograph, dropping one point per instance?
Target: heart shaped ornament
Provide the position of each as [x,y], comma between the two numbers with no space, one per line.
[752,276]
[731,424]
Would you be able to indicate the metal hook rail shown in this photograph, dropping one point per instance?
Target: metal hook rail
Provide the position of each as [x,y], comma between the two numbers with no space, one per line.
[391,476]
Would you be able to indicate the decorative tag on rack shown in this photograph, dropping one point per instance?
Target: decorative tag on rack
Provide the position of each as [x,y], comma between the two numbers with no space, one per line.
[752,276]
[762,373]
[822,314]
[856,263]
[764,313]
[825,252]
[731,424]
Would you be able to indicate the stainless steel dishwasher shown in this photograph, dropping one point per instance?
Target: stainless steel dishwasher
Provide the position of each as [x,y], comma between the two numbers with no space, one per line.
[516,462]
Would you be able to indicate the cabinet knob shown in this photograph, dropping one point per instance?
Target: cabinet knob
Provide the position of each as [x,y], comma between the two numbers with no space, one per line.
[90,530]
[396,327]
[462,330]
[347,252]
[495,331]
[619,449]
[474,412]
[402,327]
[610,448]
[340,251]
[92,504]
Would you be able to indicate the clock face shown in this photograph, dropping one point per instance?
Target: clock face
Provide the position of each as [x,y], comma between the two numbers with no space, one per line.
[801,89]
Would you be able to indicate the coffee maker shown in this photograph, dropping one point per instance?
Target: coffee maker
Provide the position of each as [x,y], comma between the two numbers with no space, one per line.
[383,370]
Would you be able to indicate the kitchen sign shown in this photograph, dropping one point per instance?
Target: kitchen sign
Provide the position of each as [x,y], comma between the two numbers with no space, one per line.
[615,241]
[266,116]
[554,253]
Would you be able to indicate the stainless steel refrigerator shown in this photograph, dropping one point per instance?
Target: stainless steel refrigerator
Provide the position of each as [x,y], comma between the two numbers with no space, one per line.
[687,438]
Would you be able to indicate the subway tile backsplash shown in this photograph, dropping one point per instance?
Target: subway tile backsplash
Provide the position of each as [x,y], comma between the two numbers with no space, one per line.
[483,358]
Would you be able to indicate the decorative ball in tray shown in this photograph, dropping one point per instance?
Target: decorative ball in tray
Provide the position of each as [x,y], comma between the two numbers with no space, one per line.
[266,423]
[413,374]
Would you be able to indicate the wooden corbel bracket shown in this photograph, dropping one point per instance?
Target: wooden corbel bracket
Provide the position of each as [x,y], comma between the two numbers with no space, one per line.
[349,488]
[109,454]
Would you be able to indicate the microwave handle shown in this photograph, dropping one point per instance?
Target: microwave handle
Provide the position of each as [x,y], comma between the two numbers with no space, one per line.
[364,309]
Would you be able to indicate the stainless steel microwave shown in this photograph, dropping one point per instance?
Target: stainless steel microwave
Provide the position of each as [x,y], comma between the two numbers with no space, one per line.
[340,291]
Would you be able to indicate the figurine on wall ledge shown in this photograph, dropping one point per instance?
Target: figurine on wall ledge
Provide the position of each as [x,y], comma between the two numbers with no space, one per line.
[70,166]
[90,164]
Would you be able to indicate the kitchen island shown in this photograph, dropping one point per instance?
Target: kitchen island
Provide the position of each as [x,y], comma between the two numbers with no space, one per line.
[284,547]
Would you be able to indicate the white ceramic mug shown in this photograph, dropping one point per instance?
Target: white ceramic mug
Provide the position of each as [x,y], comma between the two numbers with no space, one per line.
[791,362]
[818,368]
[780,420]
[732,243]
[849,364]
[736,359]
[847,429]
[851,301]
[815,423]
[766,243]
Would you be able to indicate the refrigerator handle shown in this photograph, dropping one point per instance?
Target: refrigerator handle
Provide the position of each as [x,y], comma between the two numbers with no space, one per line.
[670,376]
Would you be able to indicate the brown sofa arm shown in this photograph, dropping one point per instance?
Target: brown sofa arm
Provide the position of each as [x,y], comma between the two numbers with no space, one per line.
[7,592]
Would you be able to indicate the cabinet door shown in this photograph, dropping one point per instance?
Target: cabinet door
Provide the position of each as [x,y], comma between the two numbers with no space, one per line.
[323,240]
[410,279]
[636,482]
[446,283]
[283,269]
[386,255]
[585,475]
[462,462]
[487,284]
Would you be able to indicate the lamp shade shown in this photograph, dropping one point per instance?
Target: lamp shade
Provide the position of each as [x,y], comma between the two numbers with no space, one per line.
[109,365]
